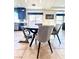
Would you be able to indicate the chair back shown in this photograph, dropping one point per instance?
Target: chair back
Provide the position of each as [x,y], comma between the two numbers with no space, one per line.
[44,33]
[58,27]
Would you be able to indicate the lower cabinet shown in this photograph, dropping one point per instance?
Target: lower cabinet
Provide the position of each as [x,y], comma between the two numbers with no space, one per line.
[18,26]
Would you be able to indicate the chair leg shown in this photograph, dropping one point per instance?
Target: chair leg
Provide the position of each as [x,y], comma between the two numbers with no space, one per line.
[50,46]
[54,36]
[32,40]
[38,50]
[59,39]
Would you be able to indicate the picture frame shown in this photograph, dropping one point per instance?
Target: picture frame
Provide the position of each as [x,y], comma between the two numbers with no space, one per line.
[49,16]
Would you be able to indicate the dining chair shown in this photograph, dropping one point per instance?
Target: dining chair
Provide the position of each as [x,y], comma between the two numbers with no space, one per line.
[63,26]
[56,30]
[43,35]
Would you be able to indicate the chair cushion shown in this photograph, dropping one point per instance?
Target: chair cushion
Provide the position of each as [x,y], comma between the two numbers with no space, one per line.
[54,32]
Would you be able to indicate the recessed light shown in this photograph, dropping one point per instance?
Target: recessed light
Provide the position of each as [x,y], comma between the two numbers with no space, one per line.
[33,4]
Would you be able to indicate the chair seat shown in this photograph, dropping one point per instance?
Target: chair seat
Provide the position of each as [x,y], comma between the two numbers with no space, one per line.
[54,32]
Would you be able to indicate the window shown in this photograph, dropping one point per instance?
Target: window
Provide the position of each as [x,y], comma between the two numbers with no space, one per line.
[59,18]
[35,18]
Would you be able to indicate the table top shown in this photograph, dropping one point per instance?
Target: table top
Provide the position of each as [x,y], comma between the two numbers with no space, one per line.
[30,27]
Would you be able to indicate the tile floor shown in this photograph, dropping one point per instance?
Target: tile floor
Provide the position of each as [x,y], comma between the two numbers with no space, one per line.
[23,51]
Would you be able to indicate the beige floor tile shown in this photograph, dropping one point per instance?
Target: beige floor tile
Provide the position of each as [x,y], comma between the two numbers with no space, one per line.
[17,58]
[21,46]
[30,53]
[23,51]
[60,53]
[18,53]
[45,53]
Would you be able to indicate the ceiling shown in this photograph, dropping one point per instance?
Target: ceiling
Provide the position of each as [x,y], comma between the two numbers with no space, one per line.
[38,4]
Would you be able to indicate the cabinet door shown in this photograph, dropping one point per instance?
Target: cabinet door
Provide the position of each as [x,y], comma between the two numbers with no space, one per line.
[16,26]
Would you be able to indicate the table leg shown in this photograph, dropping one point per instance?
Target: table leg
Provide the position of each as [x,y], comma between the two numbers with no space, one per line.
[26,41]
[32,39]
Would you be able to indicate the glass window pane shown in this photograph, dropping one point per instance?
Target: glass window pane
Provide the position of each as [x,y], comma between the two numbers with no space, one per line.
[59,18]
[39,19]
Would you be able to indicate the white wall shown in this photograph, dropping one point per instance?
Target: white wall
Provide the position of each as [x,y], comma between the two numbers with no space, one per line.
[19,3]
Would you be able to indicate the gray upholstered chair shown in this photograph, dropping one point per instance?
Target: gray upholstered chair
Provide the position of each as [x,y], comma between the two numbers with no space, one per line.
[43,35]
